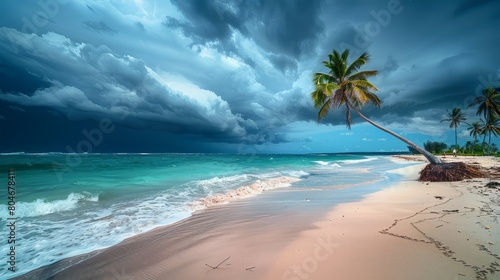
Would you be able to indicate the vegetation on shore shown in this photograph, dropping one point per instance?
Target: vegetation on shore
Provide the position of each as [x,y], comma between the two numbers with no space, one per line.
[488,124]
[471,148]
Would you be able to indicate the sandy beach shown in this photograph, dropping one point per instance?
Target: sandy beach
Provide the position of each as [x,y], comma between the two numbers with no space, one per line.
[409,230]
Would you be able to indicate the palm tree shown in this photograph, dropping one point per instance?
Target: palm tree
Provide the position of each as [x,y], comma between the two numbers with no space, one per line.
[489,107]
[345,86]
[475,131]
[489,103]
[469,146]
[492,127]
[494,148]
[456,116]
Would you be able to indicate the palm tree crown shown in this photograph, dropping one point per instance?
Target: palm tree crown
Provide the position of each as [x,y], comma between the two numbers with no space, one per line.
[456,117]
[489,103]
[346,86]
[475,130]
[492,127]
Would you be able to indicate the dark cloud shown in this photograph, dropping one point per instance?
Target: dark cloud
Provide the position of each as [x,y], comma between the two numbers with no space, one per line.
[66,135]
[41,17]
[99,84]
[290,28]
[140,26]
[284,63]
[90,8]
[17,108]
[468,6]
[99,26]
[12,73]
[207,20]
[390,65]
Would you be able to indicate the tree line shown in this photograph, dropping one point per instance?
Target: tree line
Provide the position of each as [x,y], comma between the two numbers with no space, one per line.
[488,124]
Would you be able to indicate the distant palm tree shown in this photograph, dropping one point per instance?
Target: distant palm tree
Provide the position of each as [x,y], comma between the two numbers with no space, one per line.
[476,130]
[456,117]
[345,86]
[469,146]
[492,127]
[489,107]
[494,148]
[489,103]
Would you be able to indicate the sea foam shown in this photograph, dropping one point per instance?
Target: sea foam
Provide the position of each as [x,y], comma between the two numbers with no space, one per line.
[42,207]
[244,192]
[354,161]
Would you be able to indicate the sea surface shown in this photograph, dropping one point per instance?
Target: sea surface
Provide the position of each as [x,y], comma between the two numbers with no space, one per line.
[71,204]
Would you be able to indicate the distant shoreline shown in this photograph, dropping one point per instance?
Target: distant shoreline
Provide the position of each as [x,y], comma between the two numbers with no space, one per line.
[209,153]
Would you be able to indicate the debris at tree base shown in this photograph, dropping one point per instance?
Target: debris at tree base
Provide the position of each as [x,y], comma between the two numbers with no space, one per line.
[449,172]
[493,185]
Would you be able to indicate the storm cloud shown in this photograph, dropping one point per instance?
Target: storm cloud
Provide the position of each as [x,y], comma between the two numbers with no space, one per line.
[228,75]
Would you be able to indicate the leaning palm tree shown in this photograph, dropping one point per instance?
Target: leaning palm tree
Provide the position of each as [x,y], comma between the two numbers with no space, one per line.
[456,117]
[346,86]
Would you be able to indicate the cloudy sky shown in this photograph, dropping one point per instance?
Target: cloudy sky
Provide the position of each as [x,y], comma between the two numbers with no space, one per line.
[234,76]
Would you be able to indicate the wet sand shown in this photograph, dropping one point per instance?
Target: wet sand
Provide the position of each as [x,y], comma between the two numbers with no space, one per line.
[409,230]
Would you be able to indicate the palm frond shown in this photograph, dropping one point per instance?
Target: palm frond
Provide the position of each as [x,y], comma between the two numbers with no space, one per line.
[345,55]
[330,88]
[374,99]
[476,101]
[356,64]
[363,75]
[357,96]
[318,97]
[324,109]
[364,84]
[321,78]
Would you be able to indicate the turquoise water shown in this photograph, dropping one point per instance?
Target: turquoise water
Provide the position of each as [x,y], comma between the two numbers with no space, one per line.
[69,204]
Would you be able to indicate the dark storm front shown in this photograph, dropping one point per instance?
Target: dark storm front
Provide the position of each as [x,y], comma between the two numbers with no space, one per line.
[11,220]
[93,138]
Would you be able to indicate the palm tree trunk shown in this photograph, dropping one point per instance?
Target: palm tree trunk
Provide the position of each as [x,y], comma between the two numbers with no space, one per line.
[482,144]
[489,142]
[474,146]
[456,142]
[430,157]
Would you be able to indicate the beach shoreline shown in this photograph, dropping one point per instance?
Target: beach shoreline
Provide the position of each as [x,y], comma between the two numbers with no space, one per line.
[409,230]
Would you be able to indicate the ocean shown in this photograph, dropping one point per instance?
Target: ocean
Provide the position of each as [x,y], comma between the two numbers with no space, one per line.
[71,204]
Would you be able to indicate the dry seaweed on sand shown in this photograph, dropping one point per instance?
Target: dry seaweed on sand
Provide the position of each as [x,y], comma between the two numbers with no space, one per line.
[493,185]
[449,172]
